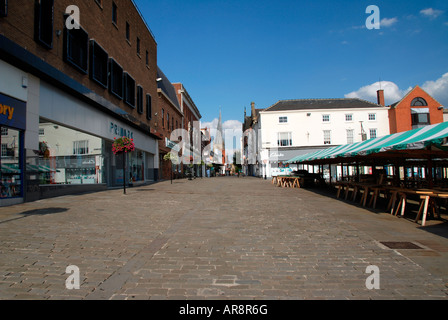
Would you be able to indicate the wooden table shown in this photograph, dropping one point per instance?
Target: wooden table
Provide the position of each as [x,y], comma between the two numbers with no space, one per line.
[287,181]
[429,201]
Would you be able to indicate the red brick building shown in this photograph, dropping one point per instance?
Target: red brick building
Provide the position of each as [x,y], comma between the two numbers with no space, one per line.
[168,118]
[192,117]
[415,110]
[84,73]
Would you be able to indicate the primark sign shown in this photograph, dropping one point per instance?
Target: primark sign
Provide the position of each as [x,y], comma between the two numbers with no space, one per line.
[119,131]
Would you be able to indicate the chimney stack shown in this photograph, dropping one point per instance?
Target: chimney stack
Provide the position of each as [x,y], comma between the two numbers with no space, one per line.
[380,95]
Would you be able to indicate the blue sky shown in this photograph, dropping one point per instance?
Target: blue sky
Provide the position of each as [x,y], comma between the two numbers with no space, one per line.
[230,53]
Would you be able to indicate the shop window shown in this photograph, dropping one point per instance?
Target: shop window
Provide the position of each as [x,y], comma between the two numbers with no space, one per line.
[67,156]
[98,64]
[76,43]
[116,79]
[140,99]
[3,8]
[148,107]
[129,87]
[43,22]
[10,167]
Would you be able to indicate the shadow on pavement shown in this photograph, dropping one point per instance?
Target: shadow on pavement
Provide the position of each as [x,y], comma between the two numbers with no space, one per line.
[43,211]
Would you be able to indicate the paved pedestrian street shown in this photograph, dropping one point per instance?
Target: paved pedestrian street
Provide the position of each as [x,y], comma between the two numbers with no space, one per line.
[216,238]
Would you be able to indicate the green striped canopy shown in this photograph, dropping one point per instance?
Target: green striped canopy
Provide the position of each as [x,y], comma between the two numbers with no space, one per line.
[417,139]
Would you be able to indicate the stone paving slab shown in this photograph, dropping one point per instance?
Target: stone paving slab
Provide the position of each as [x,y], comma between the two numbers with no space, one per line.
[218,238]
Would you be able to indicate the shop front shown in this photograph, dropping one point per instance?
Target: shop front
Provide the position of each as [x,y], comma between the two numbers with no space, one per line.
[75,149]
[13,126]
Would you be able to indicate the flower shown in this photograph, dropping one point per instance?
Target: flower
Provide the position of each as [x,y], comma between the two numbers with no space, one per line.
[123,145]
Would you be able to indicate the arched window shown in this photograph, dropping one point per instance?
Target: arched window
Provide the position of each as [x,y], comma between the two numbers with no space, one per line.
[418,102]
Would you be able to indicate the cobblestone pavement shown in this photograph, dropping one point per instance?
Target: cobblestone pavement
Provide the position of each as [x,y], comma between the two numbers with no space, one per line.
[218,238]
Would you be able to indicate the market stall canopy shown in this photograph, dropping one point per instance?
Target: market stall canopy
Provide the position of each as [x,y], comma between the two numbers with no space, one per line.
[432,136]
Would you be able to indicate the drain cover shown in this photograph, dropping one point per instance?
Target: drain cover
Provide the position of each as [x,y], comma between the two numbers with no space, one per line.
[401,245]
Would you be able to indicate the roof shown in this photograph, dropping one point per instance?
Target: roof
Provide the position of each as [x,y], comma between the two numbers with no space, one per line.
[167,88]
[433,136]
[308,104]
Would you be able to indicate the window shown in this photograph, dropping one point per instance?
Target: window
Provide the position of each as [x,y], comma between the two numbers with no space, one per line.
[43,22]
[98,64]
[373,133]
[129,89]
[116,79]
[138,46]
[419,102]
[350,136]
[177,125]
[148,107]
[172,123]
[81,147]
[284,139]
[163,118]
[41,131]
[76,46]
[140,99]
[3,8]
[420,117]
[283,119]
[325,118]
[114,13]
[349,117]
[372,116]
[128,31]
[167,120]
[327,137]
[147,58]
[4,131]
[4,150]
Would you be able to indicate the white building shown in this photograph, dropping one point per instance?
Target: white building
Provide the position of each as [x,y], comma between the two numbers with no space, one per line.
[290,128]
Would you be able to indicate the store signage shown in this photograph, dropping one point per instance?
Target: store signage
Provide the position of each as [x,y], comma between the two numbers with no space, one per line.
[172,145]
[12,112]
[119,131]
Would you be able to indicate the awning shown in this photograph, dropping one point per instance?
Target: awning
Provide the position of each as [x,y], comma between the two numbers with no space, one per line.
[433,136]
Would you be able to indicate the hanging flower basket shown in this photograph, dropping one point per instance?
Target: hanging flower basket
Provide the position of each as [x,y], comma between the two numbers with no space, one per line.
[123,145]
[43,149]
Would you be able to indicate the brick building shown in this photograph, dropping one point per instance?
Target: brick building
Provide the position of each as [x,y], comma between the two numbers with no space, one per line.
[191,123]
[168,118]
[77,75]
[415,110]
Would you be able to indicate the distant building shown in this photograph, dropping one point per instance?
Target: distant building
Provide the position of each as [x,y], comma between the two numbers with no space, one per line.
[290,128]
[251,159]
[415,110]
